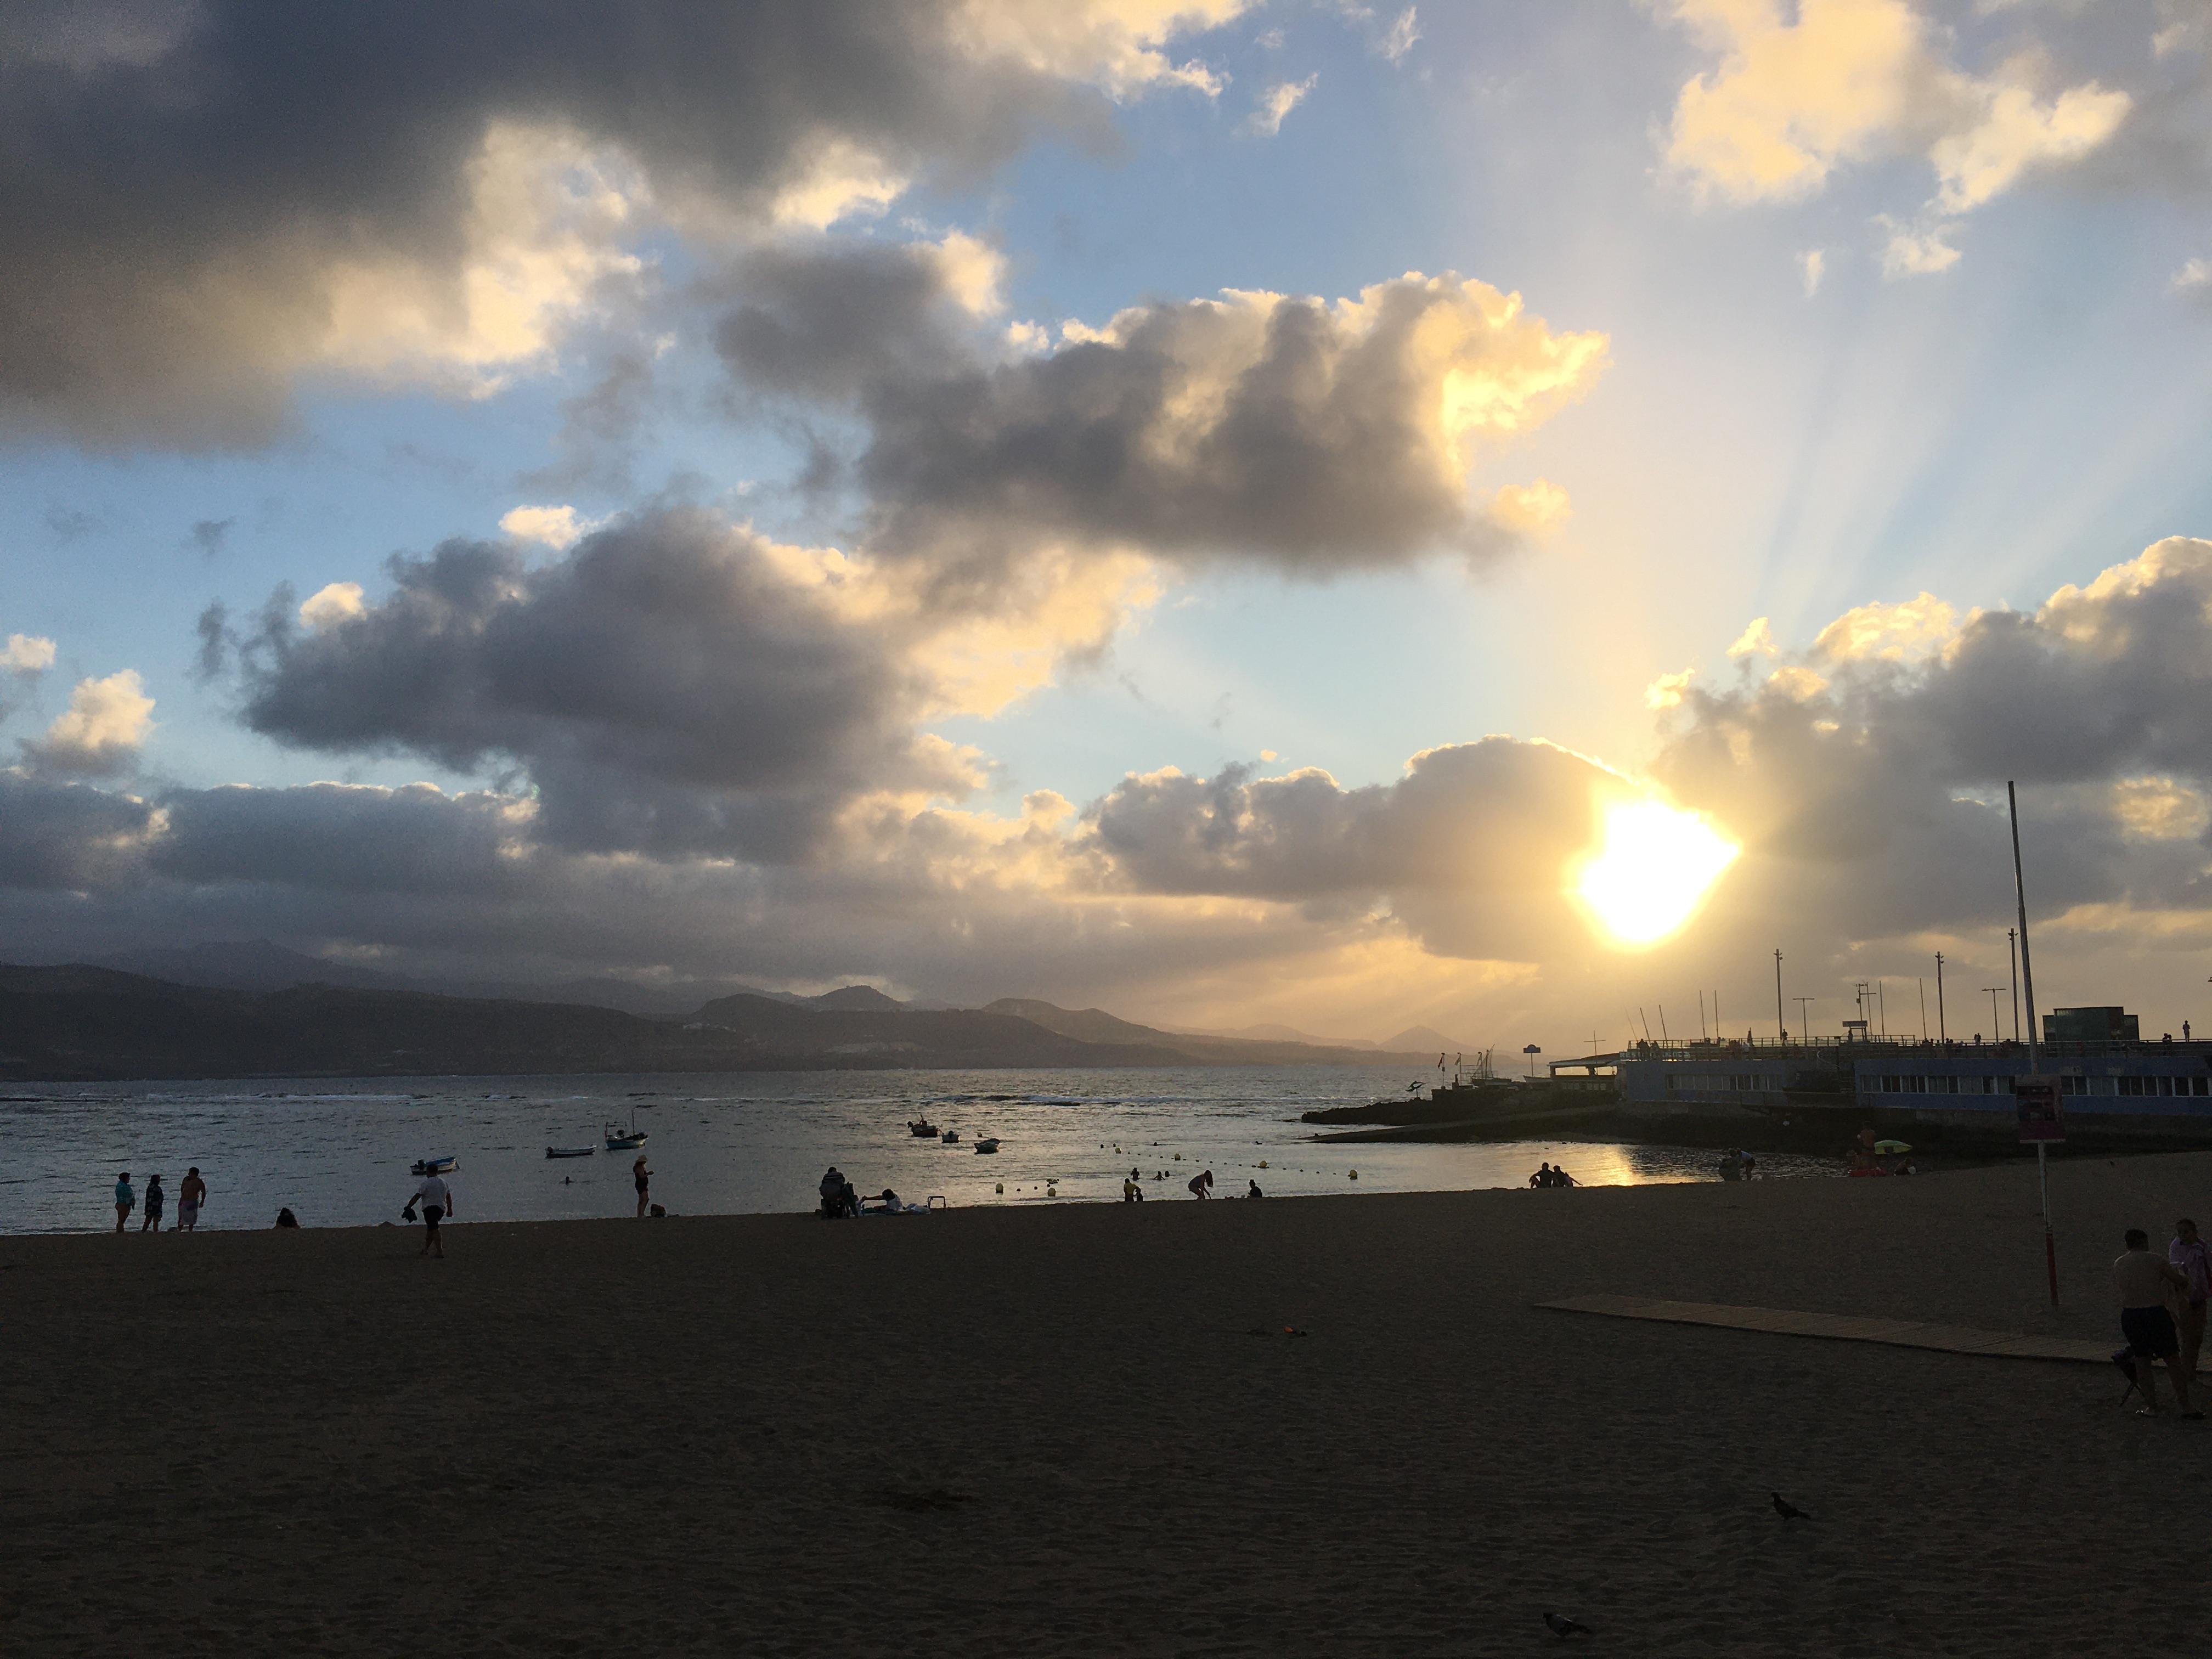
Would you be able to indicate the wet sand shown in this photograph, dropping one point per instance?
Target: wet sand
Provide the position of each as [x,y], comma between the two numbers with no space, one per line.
[1049,1431]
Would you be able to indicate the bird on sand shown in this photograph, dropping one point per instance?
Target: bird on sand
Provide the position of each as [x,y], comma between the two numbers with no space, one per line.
[1785,1509]
[1563,1627]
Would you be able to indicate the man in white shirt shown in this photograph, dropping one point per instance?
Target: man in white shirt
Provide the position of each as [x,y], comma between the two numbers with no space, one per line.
[437,1201]
[2141,1284]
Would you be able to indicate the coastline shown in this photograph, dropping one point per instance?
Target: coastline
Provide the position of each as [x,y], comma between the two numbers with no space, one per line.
[1051,1429]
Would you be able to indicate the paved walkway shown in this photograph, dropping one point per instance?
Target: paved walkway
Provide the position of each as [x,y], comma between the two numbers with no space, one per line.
[1846,1327]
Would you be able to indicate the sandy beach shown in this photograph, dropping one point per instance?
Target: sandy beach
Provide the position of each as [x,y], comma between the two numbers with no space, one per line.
[1054,1432]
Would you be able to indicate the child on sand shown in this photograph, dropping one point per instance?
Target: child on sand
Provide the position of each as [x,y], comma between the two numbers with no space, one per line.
[1201,1184]
[125,1199]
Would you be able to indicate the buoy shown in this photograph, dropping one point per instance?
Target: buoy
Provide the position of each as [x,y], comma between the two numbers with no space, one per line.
[1178,1157]
[1052,1192]
[1001,1187]
[1355,1174]
[1263,1163]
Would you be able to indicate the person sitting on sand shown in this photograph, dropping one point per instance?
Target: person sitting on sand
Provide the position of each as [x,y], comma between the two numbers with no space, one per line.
[1543,1175]
[125,1199]
[155,1204]
[286,1218]
[1201,1184]
[891,1198]
[1256,1192]
[1561,1178]
[190,1194]
[838,1198]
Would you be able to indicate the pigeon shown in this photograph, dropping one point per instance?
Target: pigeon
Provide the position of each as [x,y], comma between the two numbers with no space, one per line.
[1785,1509]
[1563,1627]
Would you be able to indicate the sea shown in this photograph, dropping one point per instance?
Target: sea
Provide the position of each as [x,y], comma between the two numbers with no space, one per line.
[336,1152]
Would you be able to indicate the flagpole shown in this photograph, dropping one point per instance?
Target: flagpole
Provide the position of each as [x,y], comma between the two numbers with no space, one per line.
[2034,1049]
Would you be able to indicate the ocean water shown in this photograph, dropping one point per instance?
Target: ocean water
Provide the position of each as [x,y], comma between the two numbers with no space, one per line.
[337,1150]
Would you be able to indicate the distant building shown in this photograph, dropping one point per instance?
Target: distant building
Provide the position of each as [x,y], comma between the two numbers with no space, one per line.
[2090,1025]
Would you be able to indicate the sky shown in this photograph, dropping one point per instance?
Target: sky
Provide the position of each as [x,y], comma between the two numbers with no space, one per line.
[1498,515]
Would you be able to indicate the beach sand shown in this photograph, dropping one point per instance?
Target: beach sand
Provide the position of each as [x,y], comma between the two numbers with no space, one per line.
[1048,1430]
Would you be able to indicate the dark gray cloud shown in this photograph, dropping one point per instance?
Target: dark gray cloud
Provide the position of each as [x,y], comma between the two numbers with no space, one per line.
[67,836]
[664,684]
[1312,437]
[208,536]
[180,186]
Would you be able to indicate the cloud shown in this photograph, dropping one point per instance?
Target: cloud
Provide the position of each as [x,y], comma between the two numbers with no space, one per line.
[1310,436]
[100,733]
[216,206]
[1812,265]
[67,836]
[2194,281]
[327,607]
[558,527]
[27,653]
[1276,102]
[1757,639]
[673,682]
[1915,250]
[1799,94]
[208,535]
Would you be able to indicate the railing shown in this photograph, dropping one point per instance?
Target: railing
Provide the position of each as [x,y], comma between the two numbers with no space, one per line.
[1874,1048]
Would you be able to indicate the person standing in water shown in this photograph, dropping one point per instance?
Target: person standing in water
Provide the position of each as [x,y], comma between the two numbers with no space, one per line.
[643,1177]
[154,1205]
[190,1194]
[125,1199]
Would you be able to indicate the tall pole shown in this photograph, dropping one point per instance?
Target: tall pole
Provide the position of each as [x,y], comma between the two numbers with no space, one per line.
[2034,1050]
[1701,1015]
[1941,1034]
[2012,948]
[1922,983]
[1804,1018]
[1997,1025]
[1781,1030]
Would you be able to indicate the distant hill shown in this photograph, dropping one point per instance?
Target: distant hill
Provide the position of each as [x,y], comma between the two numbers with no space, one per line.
[80,1022]
[1095,1025]
[1292,1033]
[1416,1039]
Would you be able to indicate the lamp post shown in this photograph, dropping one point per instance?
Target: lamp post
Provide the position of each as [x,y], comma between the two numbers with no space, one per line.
[1804,1018]
[1781,1030]
[1997,1025]
[1940,1033]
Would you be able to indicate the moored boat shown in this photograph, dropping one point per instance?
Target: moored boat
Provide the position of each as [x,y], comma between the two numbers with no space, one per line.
[570,1151]
[922,1129]
[989,1144]
[430,1166]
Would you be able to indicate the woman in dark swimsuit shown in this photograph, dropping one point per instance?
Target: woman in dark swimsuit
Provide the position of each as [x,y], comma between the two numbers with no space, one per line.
[644,1178]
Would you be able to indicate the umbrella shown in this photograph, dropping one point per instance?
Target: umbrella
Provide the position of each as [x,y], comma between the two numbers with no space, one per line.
[1891,1146]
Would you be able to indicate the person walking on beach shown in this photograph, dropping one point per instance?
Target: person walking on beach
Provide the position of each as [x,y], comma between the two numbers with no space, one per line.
[2141,1280]
[156,1203]
[1201,1184]
[643,1179]
[2189,1253]
[125,1199]
[192,1193]
[437,1201]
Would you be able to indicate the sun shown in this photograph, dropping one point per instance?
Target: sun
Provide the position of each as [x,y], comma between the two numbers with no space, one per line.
[1651,870]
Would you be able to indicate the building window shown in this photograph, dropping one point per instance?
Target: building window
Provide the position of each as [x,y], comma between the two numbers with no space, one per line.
[2072,1083]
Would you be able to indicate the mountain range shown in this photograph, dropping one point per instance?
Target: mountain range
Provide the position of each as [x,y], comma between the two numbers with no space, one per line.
[94,1023]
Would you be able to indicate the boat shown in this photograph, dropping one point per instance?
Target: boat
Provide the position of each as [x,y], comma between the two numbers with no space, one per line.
[988,1144]
[570,1151]
[623,1141]
[430,1166]
[922,1129]
[952,1136]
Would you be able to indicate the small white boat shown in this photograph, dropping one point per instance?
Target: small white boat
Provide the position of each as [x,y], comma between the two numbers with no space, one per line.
[623,1141]
[430,1166]
[570,1151]
[988,1145]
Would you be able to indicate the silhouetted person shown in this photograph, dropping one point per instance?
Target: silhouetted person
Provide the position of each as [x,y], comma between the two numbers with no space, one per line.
[437,1201]
[1201,1184]
[644,1178]
[286,1218]
[125,1199]
[2141,1282]
[1254,1192]
[2193,1261]
[156,1202]
[192,1193]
